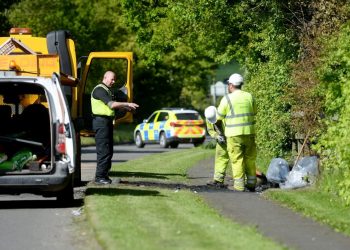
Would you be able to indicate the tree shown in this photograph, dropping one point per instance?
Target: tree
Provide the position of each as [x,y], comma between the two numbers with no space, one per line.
[4,22]
[96,27]
[254,33]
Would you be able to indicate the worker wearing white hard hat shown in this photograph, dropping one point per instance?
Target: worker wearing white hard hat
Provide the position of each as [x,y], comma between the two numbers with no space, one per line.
[235,79]
[238,110]
[216,130]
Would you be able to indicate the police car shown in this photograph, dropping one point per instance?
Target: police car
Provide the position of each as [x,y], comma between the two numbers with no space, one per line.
[169,127]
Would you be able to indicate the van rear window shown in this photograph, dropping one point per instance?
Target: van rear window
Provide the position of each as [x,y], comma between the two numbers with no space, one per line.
[17,96]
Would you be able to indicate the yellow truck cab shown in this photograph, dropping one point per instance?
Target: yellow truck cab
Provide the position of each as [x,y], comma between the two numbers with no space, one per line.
[45,106]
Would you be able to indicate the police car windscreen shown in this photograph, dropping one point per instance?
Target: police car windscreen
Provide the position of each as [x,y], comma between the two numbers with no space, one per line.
[187,116]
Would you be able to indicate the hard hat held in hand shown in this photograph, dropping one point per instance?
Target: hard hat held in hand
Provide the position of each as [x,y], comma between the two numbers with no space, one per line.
[210,114]
[236,79]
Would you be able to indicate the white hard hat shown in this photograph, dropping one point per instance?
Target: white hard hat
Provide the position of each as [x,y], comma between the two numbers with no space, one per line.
[236,79]
[210,114]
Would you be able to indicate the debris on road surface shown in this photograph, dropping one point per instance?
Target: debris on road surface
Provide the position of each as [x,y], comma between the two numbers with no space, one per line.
[77,212]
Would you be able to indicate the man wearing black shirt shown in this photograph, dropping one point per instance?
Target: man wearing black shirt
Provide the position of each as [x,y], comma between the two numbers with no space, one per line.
[103,107]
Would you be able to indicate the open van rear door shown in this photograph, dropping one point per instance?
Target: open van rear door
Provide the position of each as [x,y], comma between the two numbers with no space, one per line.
[95,66]
[65,132]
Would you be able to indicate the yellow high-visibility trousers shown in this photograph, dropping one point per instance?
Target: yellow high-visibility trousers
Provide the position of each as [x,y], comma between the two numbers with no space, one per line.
[242,153]
[221,162]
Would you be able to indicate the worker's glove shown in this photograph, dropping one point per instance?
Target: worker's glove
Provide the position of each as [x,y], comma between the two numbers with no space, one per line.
[221,139]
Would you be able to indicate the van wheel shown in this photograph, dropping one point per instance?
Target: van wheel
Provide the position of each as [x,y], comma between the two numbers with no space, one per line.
[138,140]
[163,142]
[66,195]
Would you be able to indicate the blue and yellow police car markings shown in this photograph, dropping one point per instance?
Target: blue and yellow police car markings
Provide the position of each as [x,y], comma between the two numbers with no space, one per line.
[156,134]
[162,124]
[168,133]
[150,132]
[145,135]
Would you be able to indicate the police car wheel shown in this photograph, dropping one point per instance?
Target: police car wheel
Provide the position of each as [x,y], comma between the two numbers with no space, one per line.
[197,144]
[138,140]
[163,142]
[174,144]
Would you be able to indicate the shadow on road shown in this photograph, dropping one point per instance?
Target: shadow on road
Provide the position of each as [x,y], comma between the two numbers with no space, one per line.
[121,191]
[24,204]
[140,151]
[141,174]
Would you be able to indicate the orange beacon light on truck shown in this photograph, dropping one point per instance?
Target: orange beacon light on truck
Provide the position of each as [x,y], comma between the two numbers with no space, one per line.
[13,65]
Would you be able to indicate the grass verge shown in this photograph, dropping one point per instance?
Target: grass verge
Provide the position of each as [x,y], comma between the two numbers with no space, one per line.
[144,217]
[123,133]
[154,218]
[168,167]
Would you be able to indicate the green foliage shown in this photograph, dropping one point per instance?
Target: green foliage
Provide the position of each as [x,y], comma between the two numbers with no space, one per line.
[307,95]
[172,36]
[96,27]
[334,142]
[53,15]
[4,22]
[273,120]
[270,49]
[190,35]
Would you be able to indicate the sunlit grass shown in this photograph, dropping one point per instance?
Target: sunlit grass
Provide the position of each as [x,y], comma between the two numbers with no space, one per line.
[129,217]
[164,167]
[137,216]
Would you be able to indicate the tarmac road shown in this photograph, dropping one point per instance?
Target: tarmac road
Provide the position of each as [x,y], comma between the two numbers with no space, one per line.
[33,222]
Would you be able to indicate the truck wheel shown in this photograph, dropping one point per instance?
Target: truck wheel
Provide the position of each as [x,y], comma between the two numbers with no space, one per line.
[163,142]
[138,140]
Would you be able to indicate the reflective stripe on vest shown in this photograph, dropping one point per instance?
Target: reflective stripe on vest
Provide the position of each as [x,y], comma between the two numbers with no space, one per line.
[240,119]
[98,107]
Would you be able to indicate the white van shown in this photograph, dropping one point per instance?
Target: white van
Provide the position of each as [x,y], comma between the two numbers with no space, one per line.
[37,138]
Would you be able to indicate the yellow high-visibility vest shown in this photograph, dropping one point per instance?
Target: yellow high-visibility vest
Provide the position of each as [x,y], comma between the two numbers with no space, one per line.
[238,110]
[98,107]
